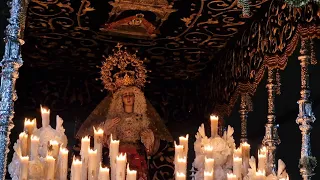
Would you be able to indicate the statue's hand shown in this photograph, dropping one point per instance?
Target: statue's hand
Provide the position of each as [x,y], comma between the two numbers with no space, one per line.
[147,138]
[111,124]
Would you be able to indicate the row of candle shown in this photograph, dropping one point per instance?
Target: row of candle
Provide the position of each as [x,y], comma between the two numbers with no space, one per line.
[180,158]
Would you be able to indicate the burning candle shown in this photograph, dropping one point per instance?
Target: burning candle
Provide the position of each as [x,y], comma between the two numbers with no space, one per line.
[121,166]
[34,147]
[104,173]
[24,163]
[92,165]
[184,142]
[262,159]
[76,169]
[231,177]
[208,151]
[98,138]
[131,174]
[180,176]
[45,116]
[63,163]
[208,164]
[260,175]
[245,149]
[50,166]
[208,175]
[55,147]
[113,153]
[23,138]
[84,152]
[29,126]
[237,166]
[237,152]
[178,151]
[214,125]
[181,165]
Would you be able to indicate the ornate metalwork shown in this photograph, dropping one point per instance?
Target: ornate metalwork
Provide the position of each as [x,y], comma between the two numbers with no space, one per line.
[305,116]
[10,63]
[245,107]
[271,139]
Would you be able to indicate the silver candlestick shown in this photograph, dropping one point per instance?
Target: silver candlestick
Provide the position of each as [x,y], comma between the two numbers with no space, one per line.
[305,116]
[271,139]
[245,107]
[10,63]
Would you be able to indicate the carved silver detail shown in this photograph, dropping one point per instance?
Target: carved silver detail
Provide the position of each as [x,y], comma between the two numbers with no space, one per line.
[10,63]
[271,139]
[245,107]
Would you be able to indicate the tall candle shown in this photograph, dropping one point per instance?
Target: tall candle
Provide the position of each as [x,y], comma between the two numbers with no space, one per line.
[245,149]
[29,126]
[34,147]
[208,164]
[24,167]
[237,152]
[76,169]
[84,152]
[63,164]
[181,165]
[55,148]
[262,159]
[131,174]
[184,140]
[98,139]
[50,166]
[92,165]
[113,153]
[45,116]
[180,176]
[121,166]
[237,166]
[178,151]
[208,175]
[214,125]
[231,177]
[260,175]
[208,151]
[23,138]
[104,173]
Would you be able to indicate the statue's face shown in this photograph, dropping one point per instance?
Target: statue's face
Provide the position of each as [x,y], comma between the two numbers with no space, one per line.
[128,98]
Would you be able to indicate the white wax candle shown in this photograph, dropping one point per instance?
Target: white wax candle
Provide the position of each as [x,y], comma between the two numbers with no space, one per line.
[113,153]
[23,138]
[50,166]
[34,147]
[180,176]
[181,165]
[63,164]
[245,149]
[84,152]
[24,167]
[104,173]
[121,167]
[45,116]
[76,169]
[208,151]
[262,159]
[260,175]
[237,152]
[184,142]
[131,174]
[214,125]
[237,166]
[92,165]
[55,148]
[178,152]
[29,126]
[231,177]
[208,164]
[208,175]
[98,139]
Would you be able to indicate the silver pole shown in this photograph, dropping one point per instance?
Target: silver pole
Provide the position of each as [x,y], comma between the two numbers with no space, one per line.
[10,63]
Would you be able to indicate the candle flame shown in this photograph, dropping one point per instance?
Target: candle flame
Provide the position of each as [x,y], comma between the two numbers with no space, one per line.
[105,169]
[260,173]
[231,175]
[76,161]
[44,110]
[53,142]
[122,157]
[28,122]
[208,173]
[24,158]
[184,137]
[99,131]
[208,148]
[208,160]
[131,171]
[182,175]
[34,138]
[237,159]
[182,159]
[177,146]
[91,151]
[213,117]
[86,138]
[245,144]
[113,141]
[23,135]
[64,150]
[50,157]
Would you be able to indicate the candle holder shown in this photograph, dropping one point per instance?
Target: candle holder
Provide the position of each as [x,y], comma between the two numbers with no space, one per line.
[245,107]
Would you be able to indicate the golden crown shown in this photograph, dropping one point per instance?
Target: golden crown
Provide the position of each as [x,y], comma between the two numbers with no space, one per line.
[127,68]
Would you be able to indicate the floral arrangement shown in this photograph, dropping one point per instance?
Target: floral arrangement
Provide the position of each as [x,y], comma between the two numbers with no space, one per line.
[222,153]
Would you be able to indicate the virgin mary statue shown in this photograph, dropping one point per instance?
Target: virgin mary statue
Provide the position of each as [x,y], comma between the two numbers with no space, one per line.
[126,114]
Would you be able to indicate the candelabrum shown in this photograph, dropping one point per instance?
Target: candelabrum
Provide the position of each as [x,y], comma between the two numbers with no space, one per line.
[271,139]
[305,116]
[245,107]
[10,63]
